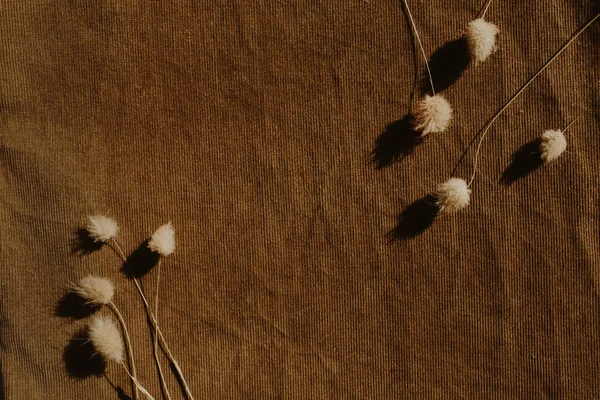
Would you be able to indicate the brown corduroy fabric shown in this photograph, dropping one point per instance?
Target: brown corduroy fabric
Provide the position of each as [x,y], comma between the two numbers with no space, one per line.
[306,266]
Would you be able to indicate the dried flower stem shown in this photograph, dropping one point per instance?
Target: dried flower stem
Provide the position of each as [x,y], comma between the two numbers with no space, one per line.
[154,323]
[138,385]
[489,2]
[412,22]
[157,287]
[572,122]
[128,347]
[155,347]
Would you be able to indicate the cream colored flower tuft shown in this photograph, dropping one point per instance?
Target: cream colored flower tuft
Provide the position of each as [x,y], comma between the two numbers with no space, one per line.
[101,228]
[553,144]
[96,290]
[481,37]
[432,115]
[163,240]
[453,195]
[106,338]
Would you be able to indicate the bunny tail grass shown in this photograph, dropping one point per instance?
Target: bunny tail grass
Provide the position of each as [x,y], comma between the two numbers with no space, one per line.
[101,228]
[481,38]
[433,114]
[486,127]
[162,240]
[453,195]
[553,144]
[95,290]
[106,338]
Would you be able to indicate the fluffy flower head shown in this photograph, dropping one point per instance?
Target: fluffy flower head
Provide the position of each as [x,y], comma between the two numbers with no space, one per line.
[106,338]
[101,228]
[553,145]
[453,195]
[432,114]
[96,290]
[481,38]
[163,240]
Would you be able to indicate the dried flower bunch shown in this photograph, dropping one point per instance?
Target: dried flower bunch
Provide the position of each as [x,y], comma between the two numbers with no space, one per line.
[114,344]
[434,113]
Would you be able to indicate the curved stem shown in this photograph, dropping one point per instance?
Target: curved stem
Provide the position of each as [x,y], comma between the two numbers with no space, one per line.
[412,22]
[495,117]
[128,347]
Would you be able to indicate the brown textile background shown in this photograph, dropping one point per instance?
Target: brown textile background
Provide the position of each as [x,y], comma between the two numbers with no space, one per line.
[251,125]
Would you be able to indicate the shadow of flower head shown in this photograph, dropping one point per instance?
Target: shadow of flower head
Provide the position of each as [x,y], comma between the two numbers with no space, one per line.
[80,357]
[524,161]
[72,305]
[140,262]
[415,219]
[398,140]
[83,244]
[447,65]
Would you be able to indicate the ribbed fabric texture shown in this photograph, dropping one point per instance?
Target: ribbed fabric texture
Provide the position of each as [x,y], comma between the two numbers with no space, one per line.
[306,266]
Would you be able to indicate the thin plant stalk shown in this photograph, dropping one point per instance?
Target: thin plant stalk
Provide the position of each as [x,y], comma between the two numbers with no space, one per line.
[155,346]
[154,323]
[414,27]
[128,347]
[487,6]
[572,122]
[138,384]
